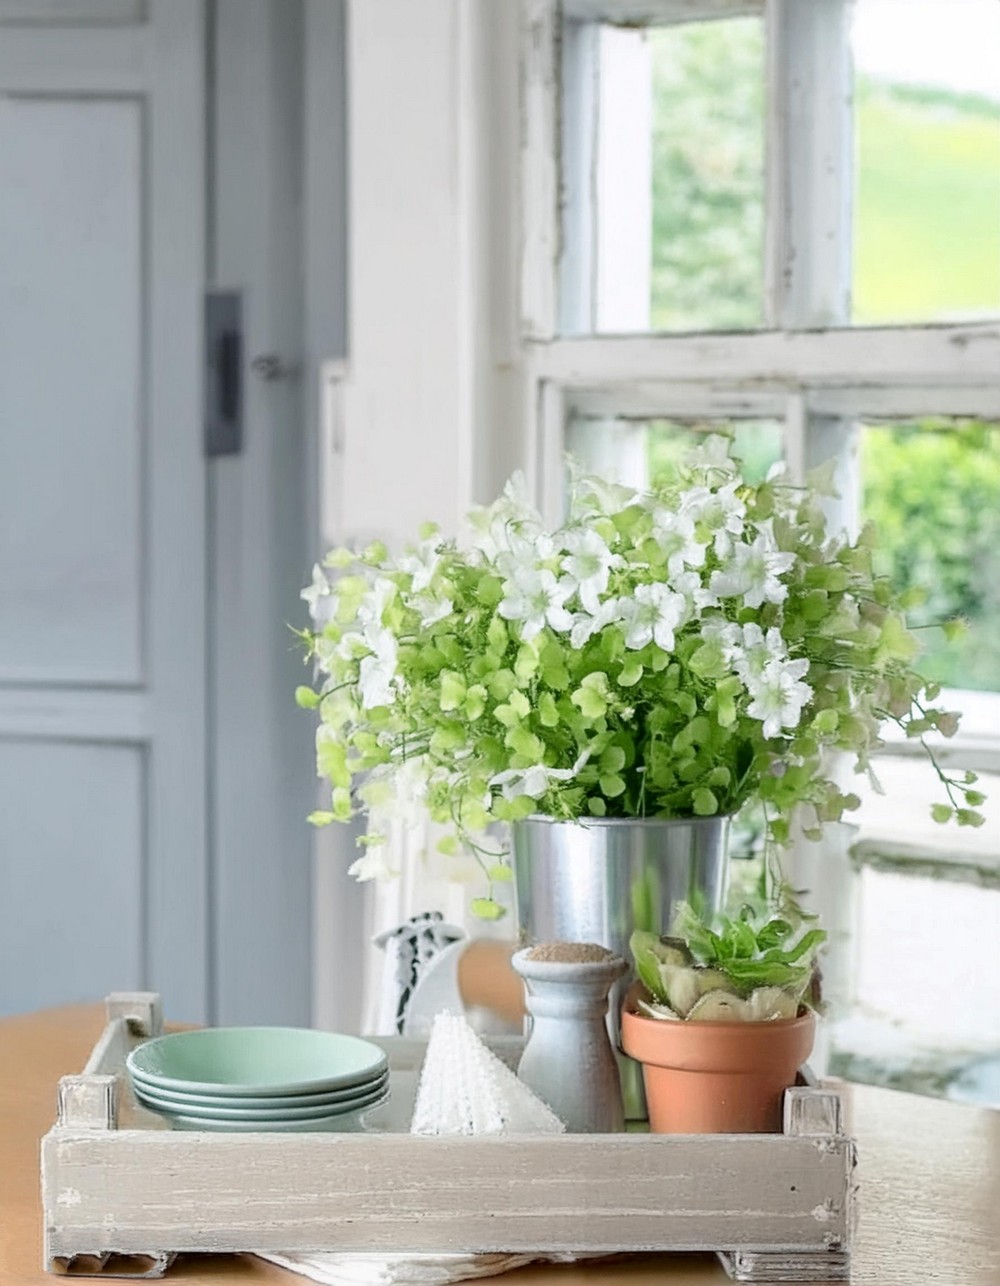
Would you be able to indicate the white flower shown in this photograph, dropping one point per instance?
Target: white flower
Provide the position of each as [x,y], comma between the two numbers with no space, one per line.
[534,781]
[536,598]
[753,651]
[421,563]
[674,533]
[652,614]
[374,864]
[585,627]
[726,633]
[374,604]
[495,526]
[713,453]
[587,564]
[320,588]
[431,609]
[722,512]
[377,671]
[779,695]
[690,585]
[523,551]
[598,494]
[351,644]
[754,571]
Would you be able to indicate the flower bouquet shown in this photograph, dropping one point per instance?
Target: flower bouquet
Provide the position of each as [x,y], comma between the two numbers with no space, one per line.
[667,653]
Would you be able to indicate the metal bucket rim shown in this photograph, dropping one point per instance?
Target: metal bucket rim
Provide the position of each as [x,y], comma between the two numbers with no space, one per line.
[587,822]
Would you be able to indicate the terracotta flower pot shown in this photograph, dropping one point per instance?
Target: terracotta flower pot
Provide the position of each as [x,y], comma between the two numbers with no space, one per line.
[717,1078]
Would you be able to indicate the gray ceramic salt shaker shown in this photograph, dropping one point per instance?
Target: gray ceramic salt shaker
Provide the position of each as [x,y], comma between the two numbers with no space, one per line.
[568,1060]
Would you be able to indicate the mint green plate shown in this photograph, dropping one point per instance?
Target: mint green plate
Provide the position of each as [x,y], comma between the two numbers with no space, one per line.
[340,1123]
[332,1101]
[234,1113]
[256,1061]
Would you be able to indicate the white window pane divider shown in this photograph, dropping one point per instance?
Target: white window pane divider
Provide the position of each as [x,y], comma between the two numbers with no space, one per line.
[809,164]
[958,359]
[541,149]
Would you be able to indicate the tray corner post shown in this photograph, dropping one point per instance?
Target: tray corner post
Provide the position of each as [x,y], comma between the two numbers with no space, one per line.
[88,1101]
[809,1110]
[141,1010]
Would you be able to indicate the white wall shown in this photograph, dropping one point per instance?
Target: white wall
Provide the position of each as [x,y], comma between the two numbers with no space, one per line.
[431,377]
[425,416]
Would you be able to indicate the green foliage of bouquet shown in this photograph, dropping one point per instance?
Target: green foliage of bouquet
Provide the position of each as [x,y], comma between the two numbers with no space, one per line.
[668,653]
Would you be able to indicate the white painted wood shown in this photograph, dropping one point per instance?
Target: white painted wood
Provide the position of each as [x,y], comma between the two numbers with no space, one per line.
[547,481]
[146,1190]
[809,163]
[623,183]
[324,173]
[808,249]
[580,93]
[333,376]
[648,400]
[103,745]
[900,401]
[141,1010]
[71,565]
[88,1102]
[409,311]
[659,12]
[794,437]
[136,1267]
[71,857]
[755,1266]
[111,1050]
[261,545]
[814,1112]
[432,402]
[73,714]
[176,796]
[499,433]
[540,166]
[92,60]
[935,356]
[922,858]
[72,13]
[575,1193]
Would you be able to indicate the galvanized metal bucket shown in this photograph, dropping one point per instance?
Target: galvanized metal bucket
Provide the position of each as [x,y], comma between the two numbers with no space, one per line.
[598,879]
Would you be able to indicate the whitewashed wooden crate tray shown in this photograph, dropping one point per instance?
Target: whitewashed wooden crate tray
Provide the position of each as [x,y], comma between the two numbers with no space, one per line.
[123,1193]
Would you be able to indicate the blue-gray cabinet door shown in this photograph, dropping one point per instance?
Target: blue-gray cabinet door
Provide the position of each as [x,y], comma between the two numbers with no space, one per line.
[103,872]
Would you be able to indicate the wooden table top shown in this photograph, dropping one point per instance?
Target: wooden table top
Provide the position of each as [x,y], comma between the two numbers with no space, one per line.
[929,1174]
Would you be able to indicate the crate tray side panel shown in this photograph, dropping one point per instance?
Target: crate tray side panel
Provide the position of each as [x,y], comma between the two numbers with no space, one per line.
[218,1192]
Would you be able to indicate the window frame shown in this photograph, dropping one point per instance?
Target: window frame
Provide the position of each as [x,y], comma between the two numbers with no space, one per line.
[809,366]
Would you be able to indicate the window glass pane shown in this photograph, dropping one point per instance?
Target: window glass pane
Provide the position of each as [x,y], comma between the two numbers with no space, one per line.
[927,160]
[708,175]
[643,452]
[933,489]
[758,443]
[662,177]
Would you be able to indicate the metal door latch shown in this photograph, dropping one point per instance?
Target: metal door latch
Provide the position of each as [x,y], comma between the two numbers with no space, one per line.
[223,372]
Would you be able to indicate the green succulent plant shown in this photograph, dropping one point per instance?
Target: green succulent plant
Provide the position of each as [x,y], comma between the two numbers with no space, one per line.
[755,967]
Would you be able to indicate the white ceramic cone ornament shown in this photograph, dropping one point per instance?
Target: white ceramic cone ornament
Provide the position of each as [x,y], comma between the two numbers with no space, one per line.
[466,1089]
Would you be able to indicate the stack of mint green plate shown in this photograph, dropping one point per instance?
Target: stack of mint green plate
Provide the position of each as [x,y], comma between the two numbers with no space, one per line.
[260,1078]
